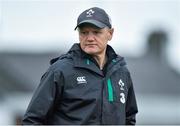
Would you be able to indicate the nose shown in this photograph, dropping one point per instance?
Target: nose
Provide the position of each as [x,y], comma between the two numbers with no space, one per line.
[90,37]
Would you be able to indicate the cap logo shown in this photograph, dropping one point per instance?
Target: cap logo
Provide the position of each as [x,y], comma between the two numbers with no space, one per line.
[90,13]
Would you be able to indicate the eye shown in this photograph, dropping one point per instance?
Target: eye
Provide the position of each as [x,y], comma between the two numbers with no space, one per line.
[83,32]
[96,32]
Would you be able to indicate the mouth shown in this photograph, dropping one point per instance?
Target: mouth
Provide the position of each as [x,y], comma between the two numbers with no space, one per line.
[91,44]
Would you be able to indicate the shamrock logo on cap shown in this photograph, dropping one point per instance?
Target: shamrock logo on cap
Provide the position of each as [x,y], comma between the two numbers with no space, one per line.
[89,13]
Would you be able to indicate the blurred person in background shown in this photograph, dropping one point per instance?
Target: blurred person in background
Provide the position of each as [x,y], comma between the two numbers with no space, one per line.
[90,84]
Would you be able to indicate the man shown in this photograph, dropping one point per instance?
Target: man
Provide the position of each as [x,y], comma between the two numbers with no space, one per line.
[90,84]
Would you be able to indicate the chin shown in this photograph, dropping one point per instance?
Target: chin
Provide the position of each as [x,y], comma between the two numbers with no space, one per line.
[91,52]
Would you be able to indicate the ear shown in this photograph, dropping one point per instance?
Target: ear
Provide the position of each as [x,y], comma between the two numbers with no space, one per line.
[110,35]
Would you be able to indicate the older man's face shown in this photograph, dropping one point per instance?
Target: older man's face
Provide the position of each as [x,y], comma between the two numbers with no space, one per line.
[93,40]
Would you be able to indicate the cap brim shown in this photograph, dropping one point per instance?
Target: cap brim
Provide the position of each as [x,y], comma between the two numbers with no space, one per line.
[93,22]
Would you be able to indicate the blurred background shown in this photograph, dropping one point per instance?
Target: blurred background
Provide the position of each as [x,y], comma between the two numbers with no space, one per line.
[147,34]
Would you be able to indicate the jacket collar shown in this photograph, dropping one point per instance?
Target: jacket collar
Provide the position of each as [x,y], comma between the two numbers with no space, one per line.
[83,60]
[80,53]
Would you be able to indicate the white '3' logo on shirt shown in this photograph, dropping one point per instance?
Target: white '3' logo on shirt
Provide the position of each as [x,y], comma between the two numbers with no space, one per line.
[122,95]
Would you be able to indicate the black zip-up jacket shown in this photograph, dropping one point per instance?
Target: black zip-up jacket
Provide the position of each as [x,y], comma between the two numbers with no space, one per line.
[75,91]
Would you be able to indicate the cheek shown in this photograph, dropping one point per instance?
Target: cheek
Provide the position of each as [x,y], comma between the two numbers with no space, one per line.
[102,46]
[104,41]
[82,45]
[82,39]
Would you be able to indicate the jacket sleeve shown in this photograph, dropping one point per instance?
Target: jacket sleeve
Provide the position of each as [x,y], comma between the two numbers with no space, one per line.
[131,105]
[43,99]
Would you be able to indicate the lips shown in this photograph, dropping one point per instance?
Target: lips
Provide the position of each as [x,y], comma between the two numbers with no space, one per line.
[91,44]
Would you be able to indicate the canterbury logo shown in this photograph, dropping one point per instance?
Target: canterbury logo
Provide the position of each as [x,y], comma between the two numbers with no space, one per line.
[81,80]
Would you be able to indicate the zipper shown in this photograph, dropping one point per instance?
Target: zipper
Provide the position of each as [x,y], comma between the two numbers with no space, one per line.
[87,61]
[110,91]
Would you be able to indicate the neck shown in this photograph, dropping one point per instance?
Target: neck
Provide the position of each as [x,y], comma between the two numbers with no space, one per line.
[101,59]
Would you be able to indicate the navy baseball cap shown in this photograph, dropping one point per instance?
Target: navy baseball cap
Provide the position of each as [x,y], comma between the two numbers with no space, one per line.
[95,16]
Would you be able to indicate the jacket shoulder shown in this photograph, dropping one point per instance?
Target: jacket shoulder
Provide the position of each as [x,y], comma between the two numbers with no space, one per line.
[123,65]
[63,56]
[61,62]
